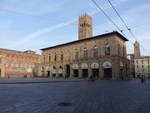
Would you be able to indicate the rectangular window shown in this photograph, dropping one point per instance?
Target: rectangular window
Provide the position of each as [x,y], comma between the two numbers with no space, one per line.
[55,58]
[44,59]
[76,53]
[61,57]
[95,53]
[85,52]
[49,58]
[142,61]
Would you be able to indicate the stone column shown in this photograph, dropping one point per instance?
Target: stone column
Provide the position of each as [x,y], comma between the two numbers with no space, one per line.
[71,72]
[57,74]
[89,72]
[64,71]
[101,75]
[80,73]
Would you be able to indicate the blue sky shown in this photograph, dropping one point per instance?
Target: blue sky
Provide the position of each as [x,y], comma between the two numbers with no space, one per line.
[36,24]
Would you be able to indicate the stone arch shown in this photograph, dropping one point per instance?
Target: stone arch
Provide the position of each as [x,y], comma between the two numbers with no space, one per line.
[84,66]
[60,71]
[94,65]
[107,64]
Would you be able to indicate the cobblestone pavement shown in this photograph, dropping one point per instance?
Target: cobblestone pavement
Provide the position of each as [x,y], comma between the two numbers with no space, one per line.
[103,96]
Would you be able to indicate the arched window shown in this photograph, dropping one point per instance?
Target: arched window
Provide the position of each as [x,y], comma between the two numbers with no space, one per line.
[61,56]
[55,57]
[49,58]
[95,51]
[85,52]
[107,50]
[76,53]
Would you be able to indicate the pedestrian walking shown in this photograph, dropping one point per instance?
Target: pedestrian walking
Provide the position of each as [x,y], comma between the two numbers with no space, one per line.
[143,79]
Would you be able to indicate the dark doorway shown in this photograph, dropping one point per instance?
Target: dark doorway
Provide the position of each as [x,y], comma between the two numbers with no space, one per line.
[67,71]
[53,75]
[95,73]
[108,73]
[85,73]
[60,75]
[76,73]
[48,73]
[121,74]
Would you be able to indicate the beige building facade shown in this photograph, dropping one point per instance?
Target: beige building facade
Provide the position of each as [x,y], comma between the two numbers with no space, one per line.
[19,64]
[142,66]
[102,56]
[141,63]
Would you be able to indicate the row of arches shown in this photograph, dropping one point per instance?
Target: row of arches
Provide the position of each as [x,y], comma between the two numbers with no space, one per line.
[81,70]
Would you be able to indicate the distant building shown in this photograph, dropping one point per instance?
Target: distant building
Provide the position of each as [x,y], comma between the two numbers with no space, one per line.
[132,65]
[19,64]
[142,66]
[141,63]
[102,56]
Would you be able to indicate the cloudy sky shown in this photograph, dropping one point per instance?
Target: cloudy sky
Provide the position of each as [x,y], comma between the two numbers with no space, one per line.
[36,24]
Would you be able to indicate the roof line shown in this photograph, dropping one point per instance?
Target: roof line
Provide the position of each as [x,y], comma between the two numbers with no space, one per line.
[90,38]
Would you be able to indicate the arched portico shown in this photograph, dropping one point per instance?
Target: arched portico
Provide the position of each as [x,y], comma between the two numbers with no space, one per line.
[84,68]
[107,69]
[95,69]
[75,68]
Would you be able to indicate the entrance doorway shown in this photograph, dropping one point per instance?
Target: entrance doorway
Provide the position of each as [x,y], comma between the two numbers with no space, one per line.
[67,70]
[48,73]
[76,73]
[84,73]
[108,73]
[54,75]
[95,73]
[60,75]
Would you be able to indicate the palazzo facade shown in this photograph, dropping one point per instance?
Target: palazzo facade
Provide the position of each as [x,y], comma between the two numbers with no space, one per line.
[102,56]
[19,64]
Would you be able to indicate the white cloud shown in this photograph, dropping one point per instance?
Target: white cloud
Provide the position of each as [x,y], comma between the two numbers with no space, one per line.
[31,37]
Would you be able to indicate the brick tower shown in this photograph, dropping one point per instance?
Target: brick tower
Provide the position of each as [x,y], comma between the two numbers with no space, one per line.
[85,26]
[137,52]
